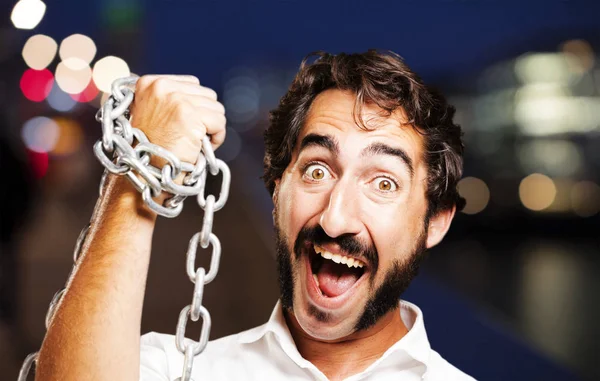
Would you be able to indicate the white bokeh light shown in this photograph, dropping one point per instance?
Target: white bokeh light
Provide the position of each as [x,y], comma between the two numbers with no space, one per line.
[73,75]
[40,134]
[107,69]
[27,14]
[39,51]
[77,46]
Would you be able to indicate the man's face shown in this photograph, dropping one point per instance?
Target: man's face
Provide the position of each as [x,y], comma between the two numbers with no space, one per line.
[356,197]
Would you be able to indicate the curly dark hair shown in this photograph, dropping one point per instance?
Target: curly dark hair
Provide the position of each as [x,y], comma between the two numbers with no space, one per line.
[383,79]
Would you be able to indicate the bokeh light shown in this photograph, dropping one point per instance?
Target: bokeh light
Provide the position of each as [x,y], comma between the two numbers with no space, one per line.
[39,163]
[27,14]
[583,54]
[562,200]
[77,46]
[231,147]
[543,68]
[59,100]
[70,136]
[73,75]
[585,198]
[39,51]
[40,134]
[104,98]
[543,109]
[107,69]
[556,157]
[537,192]
[99,100]
[476,194]
[241,97]
[36,84]
[88,94]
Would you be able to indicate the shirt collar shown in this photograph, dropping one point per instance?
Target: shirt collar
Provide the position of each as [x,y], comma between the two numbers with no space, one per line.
[276,324]
[414,344]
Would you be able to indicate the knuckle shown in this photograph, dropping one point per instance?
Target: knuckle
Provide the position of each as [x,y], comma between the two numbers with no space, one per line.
[221,120]
[219,106]
[161,86]
[174,97]
[182,108]
[143,83]
[180,111]
[192,78]
[210,93]
[198,132]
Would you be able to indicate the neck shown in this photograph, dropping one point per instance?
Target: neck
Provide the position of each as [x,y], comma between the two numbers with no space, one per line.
[350,355]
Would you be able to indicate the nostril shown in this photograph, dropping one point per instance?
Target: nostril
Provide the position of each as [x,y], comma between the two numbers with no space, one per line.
[339,221]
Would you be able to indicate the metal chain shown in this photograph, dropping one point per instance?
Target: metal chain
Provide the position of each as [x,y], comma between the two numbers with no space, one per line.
[126,151]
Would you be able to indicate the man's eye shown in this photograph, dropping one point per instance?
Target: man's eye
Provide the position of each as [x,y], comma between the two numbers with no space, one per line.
[385,184]
[317,172]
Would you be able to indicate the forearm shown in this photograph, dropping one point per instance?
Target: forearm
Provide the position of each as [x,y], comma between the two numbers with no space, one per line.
[96,329]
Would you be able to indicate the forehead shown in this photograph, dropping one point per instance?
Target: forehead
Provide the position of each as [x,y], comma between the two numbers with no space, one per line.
[331,113]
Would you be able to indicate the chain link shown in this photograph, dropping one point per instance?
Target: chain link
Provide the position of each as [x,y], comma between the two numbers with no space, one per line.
[214,260]
[125,151]
[226,181]
[199,345]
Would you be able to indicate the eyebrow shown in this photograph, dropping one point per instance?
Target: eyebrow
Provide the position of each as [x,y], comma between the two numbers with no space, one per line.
[383,149]
[325,141]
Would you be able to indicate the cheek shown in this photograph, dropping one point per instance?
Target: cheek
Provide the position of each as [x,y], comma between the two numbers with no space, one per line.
[395,231]
[296,208]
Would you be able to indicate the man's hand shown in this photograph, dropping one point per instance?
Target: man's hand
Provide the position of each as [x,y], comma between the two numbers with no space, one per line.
[95,334]
[175,112]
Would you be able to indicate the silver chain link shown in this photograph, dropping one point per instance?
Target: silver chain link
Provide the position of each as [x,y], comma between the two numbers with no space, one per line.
[124,150]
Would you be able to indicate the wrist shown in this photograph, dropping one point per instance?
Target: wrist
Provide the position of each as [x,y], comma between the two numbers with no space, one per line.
[123,196]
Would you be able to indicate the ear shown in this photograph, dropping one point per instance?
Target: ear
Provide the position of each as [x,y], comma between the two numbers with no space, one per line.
[438,226]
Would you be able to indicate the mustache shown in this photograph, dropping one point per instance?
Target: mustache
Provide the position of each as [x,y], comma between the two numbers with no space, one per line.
[349,243]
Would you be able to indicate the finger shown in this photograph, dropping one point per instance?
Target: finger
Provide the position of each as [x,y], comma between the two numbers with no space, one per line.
[204,102]
[214,121]
[164,82]
[173,77]
[195,89]
[214,124]
[217,139]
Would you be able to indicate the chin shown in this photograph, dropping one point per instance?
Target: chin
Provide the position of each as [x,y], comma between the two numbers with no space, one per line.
[310,319]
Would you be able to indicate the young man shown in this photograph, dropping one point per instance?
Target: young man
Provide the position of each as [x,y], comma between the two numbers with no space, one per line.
[362,161]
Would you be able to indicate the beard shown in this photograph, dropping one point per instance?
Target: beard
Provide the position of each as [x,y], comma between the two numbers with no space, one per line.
[382,300]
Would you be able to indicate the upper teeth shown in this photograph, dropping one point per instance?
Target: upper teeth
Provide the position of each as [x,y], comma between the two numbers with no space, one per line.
[338,258]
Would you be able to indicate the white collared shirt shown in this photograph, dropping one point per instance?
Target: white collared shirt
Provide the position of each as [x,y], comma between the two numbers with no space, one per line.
[268,352]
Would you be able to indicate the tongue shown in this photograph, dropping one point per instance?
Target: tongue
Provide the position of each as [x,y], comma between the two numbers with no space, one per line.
[335,279]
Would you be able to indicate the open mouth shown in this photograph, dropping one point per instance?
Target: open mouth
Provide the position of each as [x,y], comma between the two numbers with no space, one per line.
[334,274]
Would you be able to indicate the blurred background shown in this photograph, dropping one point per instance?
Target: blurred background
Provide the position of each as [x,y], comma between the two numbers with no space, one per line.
[512,293]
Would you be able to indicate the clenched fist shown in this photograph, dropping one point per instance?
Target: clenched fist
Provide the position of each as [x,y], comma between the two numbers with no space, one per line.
[175,112]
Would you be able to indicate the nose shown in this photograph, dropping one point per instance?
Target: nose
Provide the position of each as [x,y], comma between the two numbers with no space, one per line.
[341,215]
